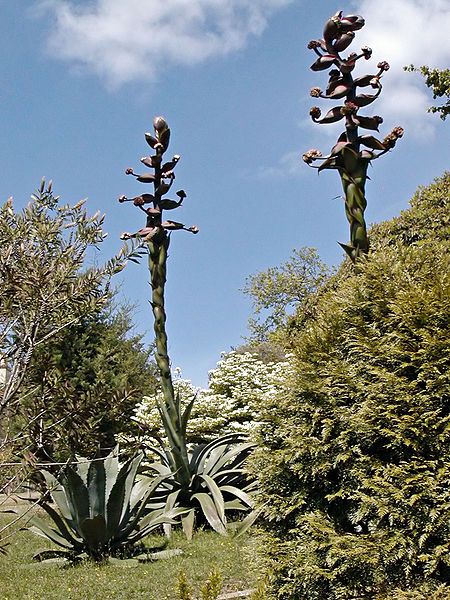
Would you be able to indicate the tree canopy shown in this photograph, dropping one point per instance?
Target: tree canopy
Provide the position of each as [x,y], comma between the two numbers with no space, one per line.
[354,459]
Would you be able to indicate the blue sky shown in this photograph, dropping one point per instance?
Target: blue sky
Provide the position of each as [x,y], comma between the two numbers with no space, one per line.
[80,82]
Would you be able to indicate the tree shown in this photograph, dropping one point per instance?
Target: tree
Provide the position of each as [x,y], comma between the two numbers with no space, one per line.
[44,285]
[277,292]
[238,386]
[438,80]
[86,382]
[354,459]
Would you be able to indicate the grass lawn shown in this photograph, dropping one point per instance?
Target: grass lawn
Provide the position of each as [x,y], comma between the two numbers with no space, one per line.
[21,578]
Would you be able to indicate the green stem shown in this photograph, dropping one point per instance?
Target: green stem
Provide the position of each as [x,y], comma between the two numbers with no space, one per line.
[353,178]
[171,415]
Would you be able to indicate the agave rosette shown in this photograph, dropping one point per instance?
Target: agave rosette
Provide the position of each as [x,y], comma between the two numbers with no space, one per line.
[99,509]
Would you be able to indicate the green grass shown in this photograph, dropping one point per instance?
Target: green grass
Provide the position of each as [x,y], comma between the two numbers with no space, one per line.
[21,578]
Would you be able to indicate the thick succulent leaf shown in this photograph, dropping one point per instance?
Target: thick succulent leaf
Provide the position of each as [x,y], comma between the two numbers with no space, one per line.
[40,527]
[58,494]
[139,508]
[244,525]
[154,520]
[94,532]
[200,452]
[231,458]
[77,496]
[350,250]
[323,62]
[216,495]
[235,505]
[211,459]
[186,414]
[161,555]
[160,453]
[96,483]
[239,493]
[170,503]
[82,467]
[150,161]
[51,555]
[112,465]
[159,468]
[171,431]
[65,528]
[210,511]
[119,498]
[187,522]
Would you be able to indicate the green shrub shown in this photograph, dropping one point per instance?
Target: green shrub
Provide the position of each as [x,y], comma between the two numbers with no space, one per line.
[354,457]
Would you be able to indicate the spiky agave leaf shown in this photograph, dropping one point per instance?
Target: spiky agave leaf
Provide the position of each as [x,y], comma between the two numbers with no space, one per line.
[101,511]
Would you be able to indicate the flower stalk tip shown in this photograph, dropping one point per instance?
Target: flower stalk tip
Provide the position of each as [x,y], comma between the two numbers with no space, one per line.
[353,152]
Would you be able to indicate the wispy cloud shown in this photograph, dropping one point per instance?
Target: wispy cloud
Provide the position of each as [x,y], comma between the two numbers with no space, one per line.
[406,32]
[289,165]
[128,40]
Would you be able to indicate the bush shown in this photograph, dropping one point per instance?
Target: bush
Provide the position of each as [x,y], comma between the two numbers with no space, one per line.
[229,405]
[354,457]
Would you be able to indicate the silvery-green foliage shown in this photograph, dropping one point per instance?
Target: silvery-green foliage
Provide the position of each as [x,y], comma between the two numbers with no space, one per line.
[99,509]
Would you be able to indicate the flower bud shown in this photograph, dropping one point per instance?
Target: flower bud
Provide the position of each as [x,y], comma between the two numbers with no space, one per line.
[383,66]
[332,27]
[159,124]
[349,108]
[312,154]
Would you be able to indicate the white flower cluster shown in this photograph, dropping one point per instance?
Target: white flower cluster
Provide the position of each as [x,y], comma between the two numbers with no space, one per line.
[239,385]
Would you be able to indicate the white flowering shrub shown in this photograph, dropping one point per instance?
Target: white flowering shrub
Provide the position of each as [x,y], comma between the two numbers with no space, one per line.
[238,386]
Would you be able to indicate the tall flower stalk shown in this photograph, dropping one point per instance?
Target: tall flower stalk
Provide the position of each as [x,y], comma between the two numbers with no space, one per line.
[156,235]
[353,152]
[205,482]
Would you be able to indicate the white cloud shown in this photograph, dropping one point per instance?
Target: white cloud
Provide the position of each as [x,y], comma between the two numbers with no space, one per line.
[289,165]
[404,32]
[126,40]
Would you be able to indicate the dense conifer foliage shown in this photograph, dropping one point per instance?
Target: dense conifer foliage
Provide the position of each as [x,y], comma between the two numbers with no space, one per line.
[354,457]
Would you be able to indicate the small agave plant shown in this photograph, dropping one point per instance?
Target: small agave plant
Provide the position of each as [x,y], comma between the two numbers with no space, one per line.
[218,490]
[207,481]
[353,152]
[99,510]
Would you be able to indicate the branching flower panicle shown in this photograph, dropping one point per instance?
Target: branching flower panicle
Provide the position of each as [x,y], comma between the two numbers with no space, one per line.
[353,152]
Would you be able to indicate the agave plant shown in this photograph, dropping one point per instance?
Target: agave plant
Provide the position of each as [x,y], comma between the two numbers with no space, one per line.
[218,486]
[194,479]
[98,510]
[353,152]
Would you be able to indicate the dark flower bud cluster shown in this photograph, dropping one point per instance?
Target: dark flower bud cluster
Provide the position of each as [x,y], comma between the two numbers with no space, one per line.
[162,179]
[352,153]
